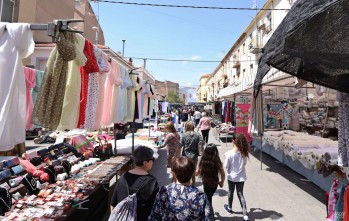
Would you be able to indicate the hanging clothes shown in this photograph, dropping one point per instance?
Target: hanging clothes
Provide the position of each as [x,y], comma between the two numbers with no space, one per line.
[343,129]
[125,97]
[30,81]
[346,204]
[141,99]
[134,99]
[48,107]
[104,67]
[91,66]
[227,114]
[111,96]
[71,102]
[338,215]
[16,43]
[38,80]
[332,200]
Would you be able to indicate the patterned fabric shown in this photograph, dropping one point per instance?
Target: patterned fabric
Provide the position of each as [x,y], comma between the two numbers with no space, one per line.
[82,144]
[91,66]
[126,210]
[48,107]
[190,142]
[92,101]
[35,91]
[343,134]
[71,102]
[182,203]
[171,143]
[332,200]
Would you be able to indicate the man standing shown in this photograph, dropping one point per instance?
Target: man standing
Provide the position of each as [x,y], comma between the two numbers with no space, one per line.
[184,120]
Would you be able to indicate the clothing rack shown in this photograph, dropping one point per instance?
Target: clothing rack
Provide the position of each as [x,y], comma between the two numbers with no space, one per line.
[55,27]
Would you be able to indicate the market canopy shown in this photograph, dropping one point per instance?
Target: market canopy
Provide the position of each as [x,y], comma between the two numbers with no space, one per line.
[311,43]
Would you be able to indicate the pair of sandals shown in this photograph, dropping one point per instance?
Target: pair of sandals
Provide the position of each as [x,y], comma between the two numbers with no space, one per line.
[44,139]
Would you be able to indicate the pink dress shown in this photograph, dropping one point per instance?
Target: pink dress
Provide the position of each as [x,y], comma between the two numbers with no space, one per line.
[30,82]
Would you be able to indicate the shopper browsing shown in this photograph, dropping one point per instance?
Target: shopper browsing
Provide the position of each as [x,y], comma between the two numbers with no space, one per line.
[235,163]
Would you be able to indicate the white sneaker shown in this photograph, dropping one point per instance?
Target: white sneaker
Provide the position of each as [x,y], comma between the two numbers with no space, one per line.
[245,218]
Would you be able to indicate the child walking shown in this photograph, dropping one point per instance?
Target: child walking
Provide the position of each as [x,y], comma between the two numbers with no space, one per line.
[210,167]
[235,165]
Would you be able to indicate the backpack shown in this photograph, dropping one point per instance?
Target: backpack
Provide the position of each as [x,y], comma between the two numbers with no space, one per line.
[126,210]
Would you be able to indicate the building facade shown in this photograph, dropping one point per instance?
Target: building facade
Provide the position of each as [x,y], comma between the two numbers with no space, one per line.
[201,92]
[238,68]
[164,88]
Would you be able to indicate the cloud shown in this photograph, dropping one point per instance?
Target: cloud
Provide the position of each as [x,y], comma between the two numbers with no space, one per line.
[189,84]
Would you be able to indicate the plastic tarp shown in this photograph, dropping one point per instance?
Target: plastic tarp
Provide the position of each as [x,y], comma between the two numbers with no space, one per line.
[311,43]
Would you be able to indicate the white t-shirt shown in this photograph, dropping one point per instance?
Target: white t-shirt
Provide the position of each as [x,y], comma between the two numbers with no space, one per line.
[197,115]
[235,166]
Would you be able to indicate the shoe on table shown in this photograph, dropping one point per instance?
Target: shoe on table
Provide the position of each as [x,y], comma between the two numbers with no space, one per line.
[245,218]
[227,208]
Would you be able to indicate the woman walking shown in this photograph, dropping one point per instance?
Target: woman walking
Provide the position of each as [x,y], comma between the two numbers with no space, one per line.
[191,143]
[180,200]
[171,142]
[235,165]
[210,167]
[204,126]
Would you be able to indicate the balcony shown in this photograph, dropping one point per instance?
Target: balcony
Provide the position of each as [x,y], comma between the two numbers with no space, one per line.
[254,48]
[236,64]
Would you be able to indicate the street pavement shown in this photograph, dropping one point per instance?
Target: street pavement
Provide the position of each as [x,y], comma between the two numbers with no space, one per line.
[273,193]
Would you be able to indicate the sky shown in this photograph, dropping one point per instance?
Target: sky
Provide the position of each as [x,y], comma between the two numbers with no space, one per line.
[175,33]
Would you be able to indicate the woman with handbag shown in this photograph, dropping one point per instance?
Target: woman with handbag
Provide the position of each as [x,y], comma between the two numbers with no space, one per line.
[171,142]
[192,144]
[204,126]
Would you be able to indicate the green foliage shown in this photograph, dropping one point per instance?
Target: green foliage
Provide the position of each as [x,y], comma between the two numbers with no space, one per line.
[173,98]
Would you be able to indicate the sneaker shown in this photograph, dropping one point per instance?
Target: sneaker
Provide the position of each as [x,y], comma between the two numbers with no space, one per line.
[227,208]
[245,218]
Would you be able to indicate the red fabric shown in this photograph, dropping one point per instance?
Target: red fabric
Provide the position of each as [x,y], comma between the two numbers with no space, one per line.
[346,204]
[91,66]
[227,113]
[30,82]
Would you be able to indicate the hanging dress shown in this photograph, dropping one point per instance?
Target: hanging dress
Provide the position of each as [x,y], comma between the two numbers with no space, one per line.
[30,81]
[124,98]
[111,94]
[91,66]
[16,43]
[104,68]
[71,102]
[48,107]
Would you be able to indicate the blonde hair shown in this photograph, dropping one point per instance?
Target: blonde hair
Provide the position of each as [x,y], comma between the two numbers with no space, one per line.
[170,127]
[189,126]
[203,114]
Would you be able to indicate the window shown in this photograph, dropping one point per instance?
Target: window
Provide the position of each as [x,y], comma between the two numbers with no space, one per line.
[269,22]
[243,48]
[6,10]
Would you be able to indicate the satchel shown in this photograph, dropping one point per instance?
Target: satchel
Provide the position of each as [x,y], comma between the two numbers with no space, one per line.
[103,150]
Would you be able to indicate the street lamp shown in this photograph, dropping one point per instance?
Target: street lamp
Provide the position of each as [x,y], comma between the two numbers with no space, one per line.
[96,30]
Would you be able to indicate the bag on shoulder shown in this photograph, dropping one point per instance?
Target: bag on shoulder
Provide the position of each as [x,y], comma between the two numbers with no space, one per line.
[126,209]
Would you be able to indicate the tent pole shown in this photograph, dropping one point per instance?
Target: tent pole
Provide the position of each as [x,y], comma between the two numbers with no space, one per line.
[261,132]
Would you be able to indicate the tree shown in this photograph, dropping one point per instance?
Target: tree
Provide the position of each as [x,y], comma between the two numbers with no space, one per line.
[173,97]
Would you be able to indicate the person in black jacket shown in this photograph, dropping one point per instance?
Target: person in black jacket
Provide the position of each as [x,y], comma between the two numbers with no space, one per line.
[138,179]
[184,119]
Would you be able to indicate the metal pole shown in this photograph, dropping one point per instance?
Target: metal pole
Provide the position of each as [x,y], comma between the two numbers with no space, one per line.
[261,132]
[123,47]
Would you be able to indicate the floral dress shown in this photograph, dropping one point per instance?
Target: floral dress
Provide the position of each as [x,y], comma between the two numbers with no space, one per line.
[180,202]
[172,143]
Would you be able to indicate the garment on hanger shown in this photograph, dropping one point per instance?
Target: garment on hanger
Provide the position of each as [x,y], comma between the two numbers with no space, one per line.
[30,81]
[112,89]
[48,107]
[91,66]
[124,100]
[16,43]
[104,67]
[71,102]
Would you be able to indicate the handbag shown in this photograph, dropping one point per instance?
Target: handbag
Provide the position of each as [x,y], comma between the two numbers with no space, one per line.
[5,201]
[103,150]
[30,183]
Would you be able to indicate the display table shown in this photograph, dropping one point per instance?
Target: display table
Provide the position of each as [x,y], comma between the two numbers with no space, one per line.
[324,183]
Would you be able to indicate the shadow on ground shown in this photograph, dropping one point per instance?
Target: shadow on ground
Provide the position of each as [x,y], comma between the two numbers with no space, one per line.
[275,166]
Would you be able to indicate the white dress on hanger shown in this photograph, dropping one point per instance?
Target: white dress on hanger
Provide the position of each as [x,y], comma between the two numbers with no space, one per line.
[16,43]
